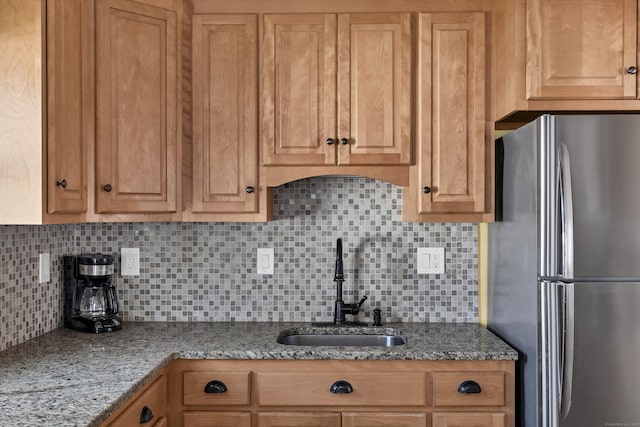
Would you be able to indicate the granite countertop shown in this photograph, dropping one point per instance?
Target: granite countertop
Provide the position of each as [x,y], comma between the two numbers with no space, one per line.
[69,378]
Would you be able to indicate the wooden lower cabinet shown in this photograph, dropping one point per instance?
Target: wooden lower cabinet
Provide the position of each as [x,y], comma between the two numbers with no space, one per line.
[298,419]
[366,393]
[468,419]
[216,419]
[390,419]
[148,407]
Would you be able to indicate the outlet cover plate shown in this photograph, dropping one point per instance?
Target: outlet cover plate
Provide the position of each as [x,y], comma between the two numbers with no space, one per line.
[431,261]
[129,261]
[44,269]
[264,261]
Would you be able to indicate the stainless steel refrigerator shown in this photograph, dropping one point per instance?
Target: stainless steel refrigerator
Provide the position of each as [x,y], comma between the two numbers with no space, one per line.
[564,268]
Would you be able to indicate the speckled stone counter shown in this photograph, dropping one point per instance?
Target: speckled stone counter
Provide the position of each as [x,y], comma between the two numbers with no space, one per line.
[68,378]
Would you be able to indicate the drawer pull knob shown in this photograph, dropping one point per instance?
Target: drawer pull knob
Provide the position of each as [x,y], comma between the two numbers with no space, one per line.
[62,183]
[145,415]
[330,141]
[632,70]
[341,387]
[215,386]
[469,387]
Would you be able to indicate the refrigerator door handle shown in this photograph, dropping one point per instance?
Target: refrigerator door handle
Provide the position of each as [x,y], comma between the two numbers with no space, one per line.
[550,389]
[566,212]
[566,309]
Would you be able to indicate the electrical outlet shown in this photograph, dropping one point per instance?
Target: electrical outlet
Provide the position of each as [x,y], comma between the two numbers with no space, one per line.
[431,261]
[44,269]
[264,261]
[129,261]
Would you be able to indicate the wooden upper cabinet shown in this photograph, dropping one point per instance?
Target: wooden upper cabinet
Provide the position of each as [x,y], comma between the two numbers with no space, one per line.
[451,114]
[137,142]
[225,127]
[374,88]
[581,49]
[299,89]
[67,122]
[337,89]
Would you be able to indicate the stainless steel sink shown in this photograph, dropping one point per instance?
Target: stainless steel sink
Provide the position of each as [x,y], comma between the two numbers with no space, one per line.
[340,338]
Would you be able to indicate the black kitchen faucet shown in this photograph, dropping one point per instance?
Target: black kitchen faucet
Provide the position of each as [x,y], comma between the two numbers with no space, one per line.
[341,309]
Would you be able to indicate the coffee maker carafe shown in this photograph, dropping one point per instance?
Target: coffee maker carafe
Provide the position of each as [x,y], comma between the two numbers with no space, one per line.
[91,303]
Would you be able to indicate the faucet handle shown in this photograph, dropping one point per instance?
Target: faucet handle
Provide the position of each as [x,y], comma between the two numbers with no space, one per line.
[356,307]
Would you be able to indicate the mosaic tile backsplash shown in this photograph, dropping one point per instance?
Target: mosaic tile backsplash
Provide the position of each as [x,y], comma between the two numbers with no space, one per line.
[207,272]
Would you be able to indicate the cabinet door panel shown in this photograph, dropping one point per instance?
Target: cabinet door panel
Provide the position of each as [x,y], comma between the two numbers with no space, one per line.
[374,88]
[377,419]
[136,147]
[216,419]
[460,419]
[579,49]
[299,72]
[451,112]
[67,120]
[297,419]
[154,398]
[225,113]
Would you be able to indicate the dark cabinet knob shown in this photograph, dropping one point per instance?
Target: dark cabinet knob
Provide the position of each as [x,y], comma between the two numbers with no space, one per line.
[330,141]
[426,190]
[62,183]
[632,70]
[341,387]
[107,188]
[215,386]
[145,415]
[469,387]
[250,190]
[344,141]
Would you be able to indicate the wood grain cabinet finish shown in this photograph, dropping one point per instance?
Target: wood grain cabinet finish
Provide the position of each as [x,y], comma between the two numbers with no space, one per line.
[298,393]
[383,419]
[216,419]
[152,401]
[68,117]
[450,178]
[297,419]
[314,388]
[215,388]
[337,89]
[225,105]
[581,49]
[468,419]
[137,142]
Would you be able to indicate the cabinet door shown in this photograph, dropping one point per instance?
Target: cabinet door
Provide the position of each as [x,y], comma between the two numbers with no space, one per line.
[376,419]
[469,419]
[579,49]
[67,117]
[298,419]
[451,113]
[374,88]
[299,89]
[225,134]
[152,401]
[216,419]
[137,140]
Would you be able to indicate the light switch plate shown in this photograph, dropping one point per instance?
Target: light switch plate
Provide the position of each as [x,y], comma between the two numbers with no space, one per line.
[44,268]
[129,261]
[264,261]
[431,261]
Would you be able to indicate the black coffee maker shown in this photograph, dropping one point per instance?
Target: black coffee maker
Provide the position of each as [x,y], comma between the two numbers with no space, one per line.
[91,303]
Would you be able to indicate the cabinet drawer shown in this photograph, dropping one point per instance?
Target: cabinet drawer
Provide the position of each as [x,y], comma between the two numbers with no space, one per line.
[215,388]
[154,398]
[447,384]
[314,388]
